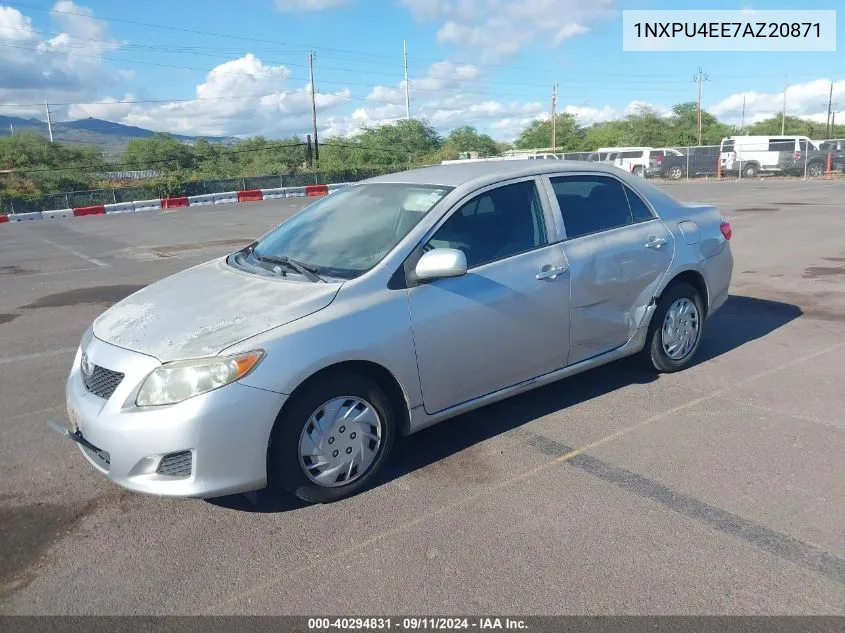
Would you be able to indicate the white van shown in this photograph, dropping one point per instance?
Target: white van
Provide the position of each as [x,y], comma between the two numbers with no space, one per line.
[761,154]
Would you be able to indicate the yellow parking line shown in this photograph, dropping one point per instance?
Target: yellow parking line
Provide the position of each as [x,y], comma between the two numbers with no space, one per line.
[507,482]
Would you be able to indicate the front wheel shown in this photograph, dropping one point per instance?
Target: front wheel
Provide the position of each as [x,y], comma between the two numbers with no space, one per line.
[332,438]
[751,170]
[815,169]
[674,334]
[676,172]
[637,171]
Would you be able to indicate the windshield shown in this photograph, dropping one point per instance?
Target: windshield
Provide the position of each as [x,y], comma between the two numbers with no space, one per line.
[349,231]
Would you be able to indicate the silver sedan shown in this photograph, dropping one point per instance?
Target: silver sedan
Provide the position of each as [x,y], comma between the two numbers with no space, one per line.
[384,308]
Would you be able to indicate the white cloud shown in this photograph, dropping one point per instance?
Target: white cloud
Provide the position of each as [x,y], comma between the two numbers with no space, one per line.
[499,29]
[446,96]
[807,99]
[308,5]
[240,97]
[64,67]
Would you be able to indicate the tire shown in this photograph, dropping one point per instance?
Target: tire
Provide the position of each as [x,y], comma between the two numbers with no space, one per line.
[750,171]
[815,169]
[637,171]
[676,172]
[286,467]
[654,353]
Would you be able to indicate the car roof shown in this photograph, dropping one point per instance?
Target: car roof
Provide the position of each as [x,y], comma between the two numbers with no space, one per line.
[479,174]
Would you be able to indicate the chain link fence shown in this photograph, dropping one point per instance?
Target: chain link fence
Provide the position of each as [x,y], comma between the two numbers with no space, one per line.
[155,189]
[734,160]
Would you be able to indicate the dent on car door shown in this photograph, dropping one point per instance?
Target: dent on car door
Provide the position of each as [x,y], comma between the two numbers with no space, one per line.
[618,253]
[498,324]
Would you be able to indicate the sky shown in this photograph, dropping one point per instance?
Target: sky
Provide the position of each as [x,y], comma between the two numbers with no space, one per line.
[215,67]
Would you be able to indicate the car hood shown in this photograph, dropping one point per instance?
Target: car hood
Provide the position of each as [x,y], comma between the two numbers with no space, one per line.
[207,308]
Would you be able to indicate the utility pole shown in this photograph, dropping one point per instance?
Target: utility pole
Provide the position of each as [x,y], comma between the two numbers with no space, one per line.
[313,105]
[407,93]
[828,130]
[783,112]
[554,117]
[49,120]
[699,77]
[742,124]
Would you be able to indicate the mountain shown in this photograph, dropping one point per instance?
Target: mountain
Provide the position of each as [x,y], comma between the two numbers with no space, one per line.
[109,136]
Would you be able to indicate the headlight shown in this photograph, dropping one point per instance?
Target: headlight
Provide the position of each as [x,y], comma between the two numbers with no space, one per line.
[175,382]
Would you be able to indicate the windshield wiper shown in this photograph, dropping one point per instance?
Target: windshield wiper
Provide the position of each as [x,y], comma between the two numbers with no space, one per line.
[302,269]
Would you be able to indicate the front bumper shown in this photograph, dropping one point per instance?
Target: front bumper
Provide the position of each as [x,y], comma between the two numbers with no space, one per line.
[207,446]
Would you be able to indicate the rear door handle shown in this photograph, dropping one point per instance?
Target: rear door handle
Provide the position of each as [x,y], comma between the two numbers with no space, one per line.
[551,272]
[655,242]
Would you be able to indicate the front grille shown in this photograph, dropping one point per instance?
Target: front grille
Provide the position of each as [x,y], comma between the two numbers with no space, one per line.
[102,382]
[175,464]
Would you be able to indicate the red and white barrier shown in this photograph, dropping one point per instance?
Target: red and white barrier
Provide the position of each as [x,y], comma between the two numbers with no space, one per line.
[206,198]
[23,217]
[226,198]
[120,207]
[58,213]
[177,202]
[174,203]
[250,195]
[316,190]
[147,205]
[273,194]
[96,209]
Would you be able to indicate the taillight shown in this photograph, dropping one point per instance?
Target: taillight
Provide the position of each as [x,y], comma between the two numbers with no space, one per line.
[659,159]
[725,228]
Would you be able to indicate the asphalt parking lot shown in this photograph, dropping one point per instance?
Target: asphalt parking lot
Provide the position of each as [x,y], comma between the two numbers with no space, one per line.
[717,490]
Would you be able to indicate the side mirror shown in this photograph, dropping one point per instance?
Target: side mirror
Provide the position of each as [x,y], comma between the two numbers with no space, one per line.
[440,263]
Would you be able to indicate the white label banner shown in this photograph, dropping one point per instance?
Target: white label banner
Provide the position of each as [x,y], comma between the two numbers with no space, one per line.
[746,30]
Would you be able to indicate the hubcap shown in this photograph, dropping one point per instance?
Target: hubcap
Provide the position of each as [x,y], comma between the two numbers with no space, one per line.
[340,441]
[680,329]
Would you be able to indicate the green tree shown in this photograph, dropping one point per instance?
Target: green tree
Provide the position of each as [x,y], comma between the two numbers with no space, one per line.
[607,134]
[467,139]
[160,151]
[792,125]
[538,135]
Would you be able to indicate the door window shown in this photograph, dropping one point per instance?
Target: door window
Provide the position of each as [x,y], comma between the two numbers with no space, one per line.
[498,223]
[590,204]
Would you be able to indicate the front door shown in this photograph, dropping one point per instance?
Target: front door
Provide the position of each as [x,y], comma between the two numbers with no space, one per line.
[618,253]
[507,319]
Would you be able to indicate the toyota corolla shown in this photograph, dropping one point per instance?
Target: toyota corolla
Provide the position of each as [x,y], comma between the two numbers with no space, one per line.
[381,309]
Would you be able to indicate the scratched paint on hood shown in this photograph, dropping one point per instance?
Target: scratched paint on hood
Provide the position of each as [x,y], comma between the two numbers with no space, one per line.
[205,309]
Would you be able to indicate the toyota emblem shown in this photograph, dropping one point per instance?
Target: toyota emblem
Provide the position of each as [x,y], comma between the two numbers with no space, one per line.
[86,365]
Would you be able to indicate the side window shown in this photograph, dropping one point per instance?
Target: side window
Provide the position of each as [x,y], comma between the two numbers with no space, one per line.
[494,225]
[781,145]
[590,204]
[639,209]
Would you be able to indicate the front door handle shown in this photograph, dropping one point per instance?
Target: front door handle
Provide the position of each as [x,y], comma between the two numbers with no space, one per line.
[655,242]
[551,272]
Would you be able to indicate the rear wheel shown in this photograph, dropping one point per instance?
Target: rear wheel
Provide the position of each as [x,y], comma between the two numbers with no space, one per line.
[332,438]
[750,170]
[674,334]
[637,171]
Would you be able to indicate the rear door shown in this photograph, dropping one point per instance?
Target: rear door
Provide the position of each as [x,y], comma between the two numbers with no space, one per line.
[618,253]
